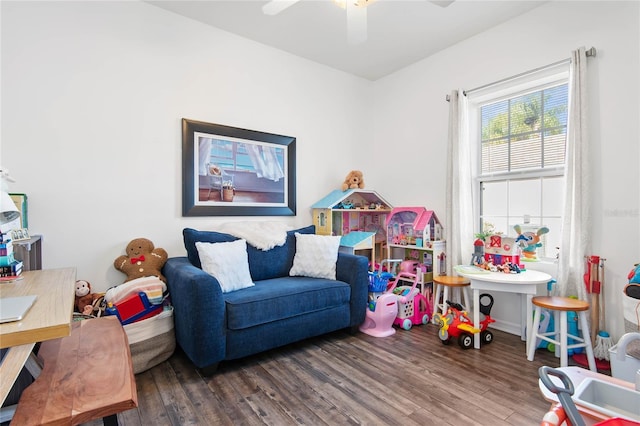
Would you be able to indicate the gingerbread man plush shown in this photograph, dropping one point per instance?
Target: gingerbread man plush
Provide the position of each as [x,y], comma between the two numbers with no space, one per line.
[142,260]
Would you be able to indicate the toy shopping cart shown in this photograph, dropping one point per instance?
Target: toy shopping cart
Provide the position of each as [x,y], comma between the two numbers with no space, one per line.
[413,307]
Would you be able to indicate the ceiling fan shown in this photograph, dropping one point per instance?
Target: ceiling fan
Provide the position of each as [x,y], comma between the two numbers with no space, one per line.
[356,14]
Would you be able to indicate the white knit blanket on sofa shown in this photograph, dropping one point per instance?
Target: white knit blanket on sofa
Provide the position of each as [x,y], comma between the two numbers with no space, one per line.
[262,235]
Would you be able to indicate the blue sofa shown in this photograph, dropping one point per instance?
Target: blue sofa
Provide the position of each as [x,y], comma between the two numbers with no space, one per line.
[212,326]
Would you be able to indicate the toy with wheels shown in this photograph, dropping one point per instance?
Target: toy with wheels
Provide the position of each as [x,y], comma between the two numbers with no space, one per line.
[457,324]
[383,306]
[413,307]
[486,336]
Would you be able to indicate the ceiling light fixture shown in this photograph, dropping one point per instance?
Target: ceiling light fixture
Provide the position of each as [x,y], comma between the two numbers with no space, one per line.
[356,15]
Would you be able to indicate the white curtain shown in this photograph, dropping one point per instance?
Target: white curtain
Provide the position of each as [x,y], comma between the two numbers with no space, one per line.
[459,206]
[265,162]
[204,155]
[576,226]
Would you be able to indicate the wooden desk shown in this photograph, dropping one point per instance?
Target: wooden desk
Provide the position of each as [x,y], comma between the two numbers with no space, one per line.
[524,283]
[49,318]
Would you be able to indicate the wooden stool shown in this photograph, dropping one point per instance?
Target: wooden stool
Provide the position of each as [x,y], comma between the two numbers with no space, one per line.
[442,284]
[560,306]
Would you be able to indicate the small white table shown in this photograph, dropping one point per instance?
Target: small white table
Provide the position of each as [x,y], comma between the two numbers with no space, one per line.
[524,283]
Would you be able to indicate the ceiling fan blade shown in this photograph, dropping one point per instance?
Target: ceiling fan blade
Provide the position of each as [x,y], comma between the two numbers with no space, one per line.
[442,3]
[356,23]
[276,6]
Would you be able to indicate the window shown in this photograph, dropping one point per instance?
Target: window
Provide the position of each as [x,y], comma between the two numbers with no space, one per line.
[233,156]
[521,140]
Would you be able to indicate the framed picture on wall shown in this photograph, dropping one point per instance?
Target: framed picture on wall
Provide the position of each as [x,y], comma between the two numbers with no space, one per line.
[229,171]
[20,234]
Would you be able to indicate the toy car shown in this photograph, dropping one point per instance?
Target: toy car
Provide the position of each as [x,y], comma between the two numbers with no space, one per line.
[456,323]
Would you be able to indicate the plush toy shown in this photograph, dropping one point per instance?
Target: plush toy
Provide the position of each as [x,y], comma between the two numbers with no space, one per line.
[529,241]
[142,260]
[85,298]
[354,180]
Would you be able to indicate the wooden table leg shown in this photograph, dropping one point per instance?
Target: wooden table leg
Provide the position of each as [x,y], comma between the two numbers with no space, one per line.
[11,365]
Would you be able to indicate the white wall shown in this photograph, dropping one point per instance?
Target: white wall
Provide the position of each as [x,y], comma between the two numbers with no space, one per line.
[415,115]
[93,94]
[93,97]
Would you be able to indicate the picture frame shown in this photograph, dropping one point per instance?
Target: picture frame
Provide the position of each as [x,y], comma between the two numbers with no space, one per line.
[230,171]
[20,234]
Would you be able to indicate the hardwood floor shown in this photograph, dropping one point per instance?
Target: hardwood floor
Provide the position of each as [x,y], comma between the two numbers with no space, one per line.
[409,378]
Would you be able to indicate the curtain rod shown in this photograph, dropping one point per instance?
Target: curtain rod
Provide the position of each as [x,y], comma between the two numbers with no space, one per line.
[589,52]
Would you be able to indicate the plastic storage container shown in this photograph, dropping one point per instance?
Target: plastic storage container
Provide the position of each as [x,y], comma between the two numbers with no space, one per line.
[623,365]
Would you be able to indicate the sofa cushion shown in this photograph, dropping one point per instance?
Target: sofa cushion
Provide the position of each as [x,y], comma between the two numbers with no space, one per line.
[280,298]
[227,262]
[263,265]
[316,256]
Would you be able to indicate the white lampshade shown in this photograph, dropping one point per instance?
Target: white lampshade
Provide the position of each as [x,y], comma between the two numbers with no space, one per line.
[8,210]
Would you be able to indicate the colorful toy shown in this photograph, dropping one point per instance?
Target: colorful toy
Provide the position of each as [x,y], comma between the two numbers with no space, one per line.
[529,241]
[383,306]
[410,225]
[409,266]
[413,307]
[134,308]
[634,274]
[354,180]
[380,316]
[478,252]
[457,324]
[499,249]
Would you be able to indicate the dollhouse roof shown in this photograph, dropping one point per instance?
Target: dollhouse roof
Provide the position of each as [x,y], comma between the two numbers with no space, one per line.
[355,195]
[357,238]
[420,217]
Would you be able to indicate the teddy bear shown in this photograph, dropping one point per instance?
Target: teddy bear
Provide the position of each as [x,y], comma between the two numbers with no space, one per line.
[142,260]
[85,298]
[354,180]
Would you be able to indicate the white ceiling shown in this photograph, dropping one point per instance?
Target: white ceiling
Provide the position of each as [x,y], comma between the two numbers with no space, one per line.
[400,32]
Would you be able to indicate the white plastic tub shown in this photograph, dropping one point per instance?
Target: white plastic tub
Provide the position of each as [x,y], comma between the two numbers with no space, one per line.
[624,366]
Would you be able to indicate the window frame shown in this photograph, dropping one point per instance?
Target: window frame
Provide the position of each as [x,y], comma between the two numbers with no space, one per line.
[523,84]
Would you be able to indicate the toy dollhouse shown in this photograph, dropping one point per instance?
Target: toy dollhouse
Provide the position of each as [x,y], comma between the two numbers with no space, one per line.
[360,212]
[341,212]
[415,233]
[412,226]
[499,249]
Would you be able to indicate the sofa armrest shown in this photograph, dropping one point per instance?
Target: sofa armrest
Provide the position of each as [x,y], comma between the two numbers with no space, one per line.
[199,311]
[354,270]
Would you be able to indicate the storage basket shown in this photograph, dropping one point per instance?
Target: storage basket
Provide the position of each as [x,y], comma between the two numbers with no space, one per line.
[152,340]
[405,310]
[378,282]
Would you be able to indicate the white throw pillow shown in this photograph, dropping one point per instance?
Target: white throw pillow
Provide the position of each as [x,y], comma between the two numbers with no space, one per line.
[227,262]
[316,256]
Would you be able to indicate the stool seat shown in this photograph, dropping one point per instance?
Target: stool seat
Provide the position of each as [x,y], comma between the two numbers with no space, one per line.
[451,281]
[560,336]
[442,284]
[560,303]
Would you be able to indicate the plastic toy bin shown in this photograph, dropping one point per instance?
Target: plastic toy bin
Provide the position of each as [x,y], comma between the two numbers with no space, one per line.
[405,310]
[378,282]
[623,365]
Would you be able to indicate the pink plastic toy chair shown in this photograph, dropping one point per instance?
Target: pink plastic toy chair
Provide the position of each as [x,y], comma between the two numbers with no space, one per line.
[378,322]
